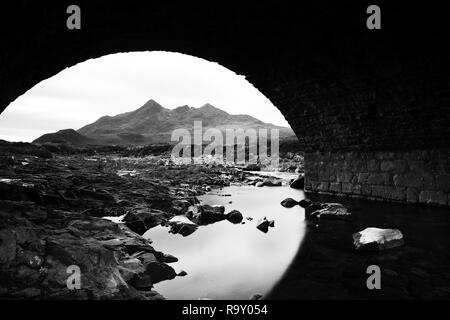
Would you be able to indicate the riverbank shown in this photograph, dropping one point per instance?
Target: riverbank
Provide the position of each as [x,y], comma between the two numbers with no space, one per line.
[52,209]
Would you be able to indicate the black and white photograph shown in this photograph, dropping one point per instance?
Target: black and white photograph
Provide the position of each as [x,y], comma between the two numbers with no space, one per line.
[233,152]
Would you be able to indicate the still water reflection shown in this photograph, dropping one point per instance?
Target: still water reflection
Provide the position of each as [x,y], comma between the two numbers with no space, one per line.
[227,261]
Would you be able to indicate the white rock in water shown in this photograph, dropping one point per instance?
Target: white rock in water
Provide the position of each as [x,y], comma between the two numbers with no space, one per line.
[180,219]
[182,225]
[377,239]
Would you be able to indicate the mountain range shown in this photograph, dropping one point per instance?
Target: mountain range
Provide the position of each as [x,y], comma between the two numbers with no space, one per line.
[154,124]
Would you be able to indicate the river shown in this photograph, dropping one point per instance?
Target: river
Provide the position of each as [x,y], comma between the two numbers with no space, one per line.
[228,261]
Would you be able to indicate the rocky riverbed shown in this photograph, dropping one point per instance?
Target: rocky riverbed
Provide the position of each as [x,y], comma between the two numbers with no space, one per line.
[53,208]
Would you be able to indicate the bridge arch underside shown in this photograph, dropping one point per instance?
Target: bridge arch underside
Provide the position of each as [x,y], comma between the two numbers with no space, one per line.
[370,108]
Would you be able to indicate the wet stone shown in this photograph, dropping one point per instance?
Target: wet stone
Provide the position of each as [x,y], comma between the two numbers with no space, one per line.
[377,239]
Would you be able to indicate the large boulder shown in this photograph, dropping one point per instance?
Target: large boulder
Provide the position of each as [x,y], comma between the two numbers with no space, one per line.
[182,225]
[289,203]
[140,219]
[155,271]
[206,214]
[331,211]
[235,217]
[158,271]
[377,239]
[130,268]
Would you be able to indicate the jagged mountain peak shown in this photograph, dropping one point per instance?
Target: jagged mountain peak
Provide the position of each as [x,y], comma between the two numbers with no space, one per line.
[150,105]
[152,123]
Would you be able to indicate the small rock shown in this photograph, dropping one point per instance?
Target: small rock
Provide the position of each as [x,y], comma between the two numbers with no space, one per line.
[168,258]
[141,219]
[272,183]
[256,296]
[263,225]
[272,223]
[298,183]
[289,203]
[377,239]
[235,217]
[206,214]
[182,273]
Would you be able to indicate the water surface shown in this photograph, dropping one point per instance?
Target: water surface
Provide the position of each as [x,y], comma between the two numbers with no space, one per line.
[228,261]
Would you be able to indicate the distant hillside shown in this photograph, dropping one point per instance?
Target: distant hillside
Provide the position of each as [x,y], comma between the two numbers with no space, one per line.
[154,124]
[68,136]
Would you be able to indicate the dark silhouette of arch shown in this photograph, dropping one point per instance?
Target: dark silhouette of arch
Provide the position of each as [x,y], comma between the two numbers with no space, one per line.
[340,86]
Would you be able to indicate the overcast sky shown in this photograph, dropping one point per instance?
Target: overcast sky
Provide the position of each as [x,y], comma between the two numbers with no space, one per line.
[123,82]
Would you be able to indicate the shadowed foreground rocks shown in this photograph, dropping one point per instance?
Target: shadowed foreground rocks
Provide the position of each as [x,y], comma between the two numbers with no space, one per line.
[38,245]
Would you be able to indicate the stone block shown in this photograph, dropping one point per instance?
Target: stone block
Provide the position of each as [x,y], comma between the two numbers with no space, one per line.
[366,189]
[378,178]
[357,189]
[396,166]
[433,197]
[362,178]
[396,193]
[400,166]
[387,165]
[335,187]
[347,187]
[323,187]
[428,181]
[409,179]
[417,166]
[412,195]
[379,191]
[359,165]
[443,182]
[346,165]
[344,177]
[373,165]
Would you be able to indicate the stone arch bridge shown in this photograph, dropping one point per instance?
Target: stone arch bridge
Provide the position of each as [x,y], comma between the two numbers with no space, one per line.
[370,107]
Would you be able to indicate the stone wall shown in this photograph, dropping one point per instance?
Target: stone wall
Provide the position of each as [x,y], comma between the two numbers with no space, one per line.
[419,177]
